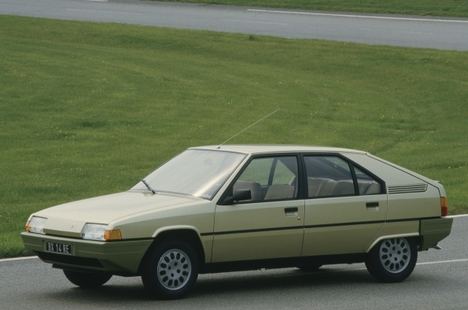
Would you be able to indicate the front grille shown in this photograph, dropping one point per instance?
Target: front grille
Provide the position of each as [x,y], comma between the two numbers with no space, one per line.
[69,260]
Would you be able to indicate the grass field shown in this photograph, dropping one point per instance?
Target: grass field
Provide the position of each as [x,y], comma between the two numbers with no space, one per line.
[88,109]
[411,7]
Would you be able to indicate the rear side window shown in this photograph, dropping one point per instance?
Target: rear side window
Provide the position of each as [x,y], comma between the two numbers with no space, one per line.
[328,176]
[366,183]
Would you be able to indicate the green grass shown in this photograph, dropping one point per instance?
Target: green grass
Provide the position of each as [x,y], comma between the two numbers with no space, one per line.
[88,109]
[411,7]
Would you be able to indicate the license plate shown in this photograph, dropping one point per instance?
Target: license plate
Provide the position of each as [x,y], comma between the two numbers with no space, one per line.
[58,248]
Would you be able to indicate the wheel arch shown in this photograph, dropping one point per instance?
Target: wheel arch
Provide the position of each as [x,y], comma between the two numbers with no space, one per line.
[177,232]
[416,236]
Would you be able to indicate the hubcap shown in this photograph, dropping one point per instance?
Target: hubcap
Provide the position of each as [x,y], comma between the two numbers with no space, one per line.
[174,269]
[395,254]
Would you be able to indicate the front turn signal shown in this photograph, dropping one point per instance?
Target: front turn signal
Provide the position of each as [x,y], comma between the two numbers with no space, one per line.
[443,206]
[113,234]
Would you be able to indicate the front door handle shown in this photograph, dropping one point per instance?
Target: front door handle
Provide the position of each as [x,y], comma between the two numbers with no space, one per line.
[291,211]
[373,204]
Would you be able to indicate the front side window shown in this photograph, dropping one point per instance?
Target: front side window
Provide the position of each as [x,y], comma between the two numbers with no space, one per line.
[328,176]
[270,178]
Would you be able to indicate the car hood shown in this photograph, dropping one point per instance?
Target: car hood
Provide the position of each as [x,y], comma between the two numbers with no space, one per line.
[68,219]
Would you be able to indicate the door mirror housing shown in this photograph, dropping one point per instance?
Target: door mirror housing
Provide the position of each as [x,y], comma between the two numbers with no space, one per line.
[241,194]
[238,195]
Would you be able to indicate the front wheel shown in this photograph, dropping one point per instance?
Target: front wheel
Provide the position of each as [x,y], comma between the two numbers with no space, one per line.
[392,260]
[87,280]
[171,270]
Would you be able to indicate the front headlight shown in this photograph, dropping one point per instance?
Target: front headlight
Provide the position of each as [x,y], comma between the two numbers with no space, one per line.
[36,225]
[93,231]
[100,233]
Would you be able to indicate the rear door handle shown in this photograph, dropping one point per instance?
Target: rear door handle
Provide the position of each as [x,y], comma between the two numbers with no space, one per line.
[291,211]
[373,204]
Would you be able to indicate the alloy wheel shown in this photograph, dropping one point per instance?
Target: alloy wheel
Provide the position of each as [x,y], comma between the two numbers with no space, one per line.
[395,254]
[174,269]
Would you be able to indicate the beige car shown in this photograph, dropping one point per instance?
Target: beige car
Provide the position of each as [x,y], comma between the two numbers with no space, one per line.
[238,207]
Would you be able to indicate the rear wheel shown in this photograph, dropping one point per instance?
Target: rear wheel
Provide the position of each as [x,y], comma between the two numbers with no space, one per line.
[87,279]
[171,269]
[392,260]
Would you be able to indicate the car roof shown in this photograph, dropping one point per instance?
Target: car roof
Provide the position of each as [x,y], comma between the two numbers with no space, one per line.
[275,148]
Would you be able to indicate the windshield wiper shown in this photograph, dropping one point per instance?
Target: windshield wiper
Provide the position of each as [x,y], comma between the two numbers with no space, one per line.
[148,186]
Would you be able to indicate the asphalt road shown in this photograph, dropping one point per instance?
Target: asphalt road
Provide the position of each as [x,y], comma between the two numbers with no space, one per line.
[440,281]
[444,33]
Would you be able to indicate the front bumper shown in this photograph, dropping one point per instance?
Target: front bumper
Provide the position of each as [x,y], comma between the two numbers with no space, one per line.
[434,230]
[116,257]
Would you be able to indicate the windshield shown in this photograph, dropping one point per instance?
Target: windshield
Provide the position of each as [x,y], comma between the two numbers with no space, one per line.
[198,173]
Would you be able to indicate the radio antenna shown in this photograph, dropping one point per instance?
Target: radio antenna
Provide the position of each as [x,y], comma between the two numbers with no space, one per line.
[250,126]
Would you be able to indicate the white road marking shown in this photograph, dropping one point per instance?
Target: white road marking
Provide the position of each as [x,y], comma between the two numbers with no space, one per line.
[98,0]
[461,260]
[457,215]
[243,21]
[361,16]
[17,258]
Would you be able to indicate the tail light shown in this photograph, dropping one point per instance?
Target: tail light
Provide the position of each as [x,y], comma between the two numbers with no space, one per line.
[443,206]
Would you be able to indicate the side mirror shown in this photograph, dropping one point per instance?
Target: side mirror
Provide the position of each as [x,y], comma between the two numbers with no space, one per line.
[238,195]
[242,194]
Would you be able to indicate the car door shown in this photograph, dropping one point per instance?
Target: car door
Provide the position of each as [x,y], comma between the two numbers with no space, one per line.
[268,223]
[344,209]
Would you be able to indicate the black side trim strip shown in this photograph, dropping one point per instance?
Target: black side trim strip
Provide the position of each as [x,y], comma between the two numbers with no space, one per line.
[314,226]
[251,230]
[413,219]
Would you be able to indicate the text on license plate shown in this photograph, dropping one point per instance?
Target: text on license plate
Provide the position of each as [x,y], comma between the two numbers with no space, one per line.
[59,248]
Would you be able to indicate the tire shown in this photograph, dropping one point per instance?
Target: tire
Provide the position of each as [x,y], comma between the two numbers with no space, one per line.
[87,280]
[392,260]
[171,269]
